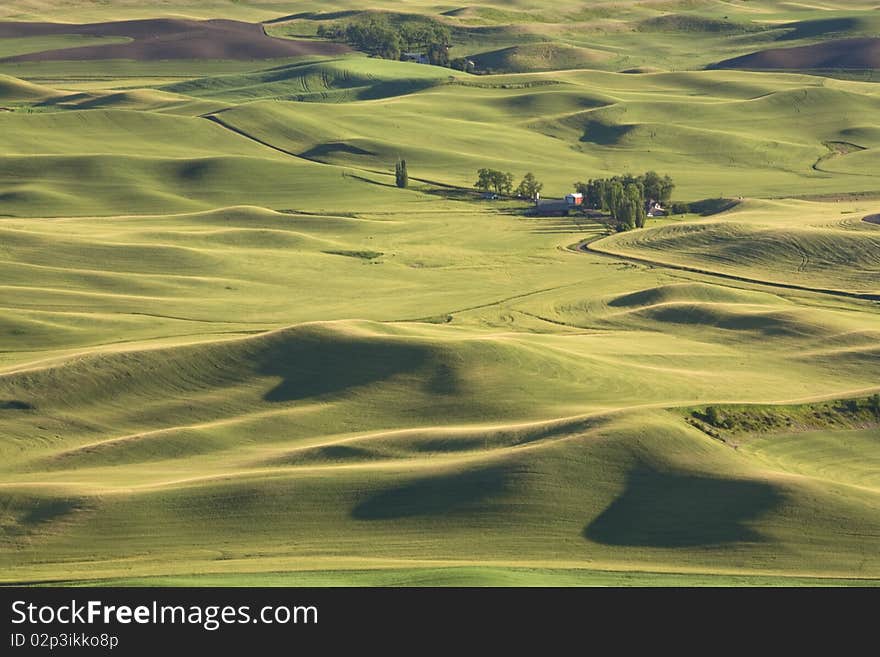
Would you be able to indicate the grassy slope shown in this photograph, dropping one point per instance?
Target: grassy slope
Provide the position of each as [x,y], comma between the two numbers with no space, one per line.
[791,242]
[116,161]
[24,45]
[850,455]
[257,426]
[14,90]
[379,386]
[474,576]
[569,126]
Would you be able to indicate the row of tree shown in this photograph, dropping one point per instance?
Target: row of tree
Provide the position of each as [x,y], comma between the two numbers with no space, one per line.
[627,198]
[501,182]
[378,36]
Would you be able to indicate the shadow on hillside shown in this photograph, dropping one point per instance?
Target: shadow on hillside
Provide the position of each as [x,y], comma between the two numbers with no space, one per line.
[434,496]
[334,148]
[197,170]
[666,510]
[15,405]
[768,324]
[317,367]
[45,511]
[444,380]
[453,193]
[327,454]
[391,88]
[821,27]
[348,174]
[313,15]
[605,134]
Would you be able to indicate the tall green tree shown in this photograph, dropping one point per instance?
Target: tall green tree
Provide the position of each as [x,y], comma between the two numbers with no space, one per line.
[484,179]
[657,188]
[635,198]
[613,195]
[529,187]
[505,183]
[400,174]
[625,214]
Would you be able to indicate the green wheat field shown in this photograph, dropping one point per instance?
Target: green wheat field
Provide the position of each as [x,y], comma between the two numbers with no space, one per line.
[234,352]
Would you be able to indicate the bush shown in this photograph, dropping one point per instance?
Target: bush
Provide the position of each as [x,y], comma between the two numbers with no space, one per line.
[713,416]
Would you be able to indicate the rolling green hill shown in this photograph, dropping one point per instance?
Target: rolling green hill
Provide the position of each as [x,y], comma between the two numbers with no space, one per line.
[794,243]
[570,126]
[13,90]
[323,81]
[232,351]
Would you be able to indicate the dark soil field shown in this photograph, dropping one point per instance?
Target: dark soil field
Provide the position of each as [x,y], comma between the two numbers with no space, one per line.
[863,53]
[167,39]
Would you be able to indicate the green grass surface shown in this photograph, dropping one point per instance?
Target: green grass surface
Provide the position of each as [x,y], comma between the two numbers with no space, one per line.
[851,454]
[790,242]
[347,79]
[474,576]
[232,352]
[712,131]
[24,45]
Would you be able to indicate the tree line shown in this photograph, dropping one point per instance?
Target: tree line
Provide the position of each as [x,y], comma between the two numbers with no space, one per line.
[377,36]
[501,182]
[626,198]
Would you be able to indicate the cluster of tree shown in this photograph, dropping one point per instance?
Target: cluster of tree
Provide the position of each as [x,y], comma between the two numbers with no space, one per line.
[626,198]
[492,179]
[377,36]
[401,176]
[502,183]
